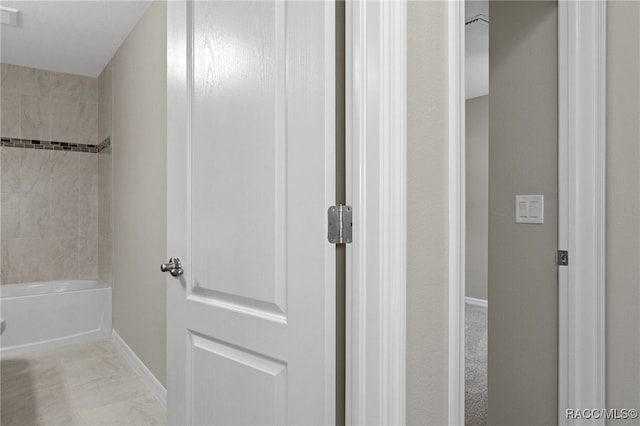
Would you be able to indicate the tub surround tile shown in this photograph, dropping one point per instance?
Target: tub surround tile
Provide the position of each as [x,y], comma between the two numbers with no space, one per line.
[35,171]
[34,264]
[87,257]
[34,215]
[11,260]
[105,213]
[64,171]
[105,146]
[88,216]
[63,258]
[74,87]
[105,216]
[10,78]
[10,209]
[105,260]
[104,103]
[35,117]
[64,215]
[42,105]
[49,167]
[65,120]
[35,82]
[88,174]
[10,164]
[10,110]
[87,122]
[74,121]
[105,171]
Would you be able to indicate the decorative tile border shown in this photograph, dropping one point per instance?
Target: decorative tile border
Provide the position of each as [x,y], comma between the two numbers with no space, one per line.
[104,144]
[54,145]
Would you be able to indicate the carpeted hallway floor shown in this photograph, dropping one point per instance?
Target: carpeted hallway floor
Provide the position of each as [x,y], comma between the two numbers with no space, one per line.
[475,365]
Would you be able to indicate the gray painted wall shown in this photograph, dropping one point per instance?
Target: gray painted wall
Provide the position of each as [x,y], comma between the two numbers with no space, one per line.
[623,206]
[523,146]
[477,196]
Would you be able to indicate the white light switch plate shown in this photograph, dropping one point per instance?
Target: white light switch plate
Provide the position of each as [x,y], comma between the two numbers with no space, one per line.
[529,209]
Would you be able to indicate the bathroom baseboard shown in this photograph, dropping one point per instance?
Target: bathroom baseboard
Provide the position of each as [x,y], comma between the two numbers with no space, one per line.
[147,376]
[477,302]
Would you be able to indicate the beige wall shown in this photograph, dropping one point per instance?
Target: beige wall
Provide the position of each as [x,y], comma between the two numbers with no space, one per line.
[139,189]
[427,221]
[523,146]
[48,198]
[623,206]
[477,196]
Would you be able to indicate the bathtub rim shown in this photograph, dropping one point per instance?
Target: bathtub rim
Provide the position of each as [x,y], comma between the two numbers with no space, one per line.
[45,288]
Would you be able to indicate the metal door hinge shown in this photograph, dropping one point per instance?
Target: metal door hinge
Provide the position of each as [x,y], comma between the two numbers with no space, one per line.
[340,226]
[562,258]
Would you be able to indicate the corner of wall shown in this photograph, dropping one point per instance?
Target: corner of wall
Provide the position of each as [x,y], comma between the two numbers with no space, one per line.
[138,126]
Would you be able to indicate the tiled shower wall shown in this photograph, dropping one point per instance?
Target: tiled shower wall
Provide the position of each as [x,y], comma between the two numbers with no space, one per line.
[49,215]
[105,228]
[50,106]
[49,198]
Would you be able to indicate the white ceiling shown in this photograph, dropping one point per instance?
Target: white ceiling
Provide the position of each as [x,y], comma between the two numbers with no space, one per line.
[80,37]
[74,36]
[476,50]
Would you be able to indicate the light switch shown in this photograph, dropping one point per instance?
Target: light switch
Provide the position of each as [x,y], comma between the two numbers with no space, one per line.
[523,209]
[534,209]
[529,209]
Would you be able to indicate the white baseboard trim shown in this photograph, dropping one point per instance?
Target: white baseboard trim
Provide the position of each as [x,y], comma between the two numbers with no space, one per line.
[477,302]
[145,374]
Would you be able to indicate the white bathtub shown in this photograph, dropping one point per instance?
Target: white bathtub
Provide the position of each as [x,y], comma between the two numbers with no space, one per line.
[53,313]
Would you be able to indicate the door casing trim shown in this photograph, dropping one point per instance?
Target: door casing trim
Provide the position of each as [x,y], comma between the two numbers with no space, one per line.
[457,205]
[582,205]
[376,188]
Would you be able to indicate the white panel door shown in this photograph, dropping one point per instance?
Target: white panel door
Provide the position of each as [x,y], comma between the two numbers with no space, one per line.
[251,322]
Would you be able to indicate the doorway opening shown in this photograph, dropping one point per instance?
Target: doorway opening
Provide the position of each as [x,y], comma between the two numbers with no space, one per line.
[477,210]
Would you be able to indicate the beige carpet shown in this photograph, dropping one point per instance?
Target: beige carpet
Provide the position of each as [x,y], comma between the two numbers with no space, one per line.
[476,400]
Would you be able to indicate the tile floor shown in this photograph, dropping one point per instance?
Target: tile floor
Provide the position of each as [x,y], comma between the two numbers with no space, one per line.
[87,384]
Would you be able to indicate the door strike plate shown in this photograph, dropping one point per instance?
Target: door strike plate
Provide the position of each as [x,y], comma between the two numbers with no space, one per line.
[562,258]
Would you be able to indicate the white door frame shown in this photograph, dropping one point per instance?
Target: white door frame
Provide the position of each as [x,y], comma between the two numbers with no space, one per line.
[376,188]
[582,202]
[582,205]
[457,206]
